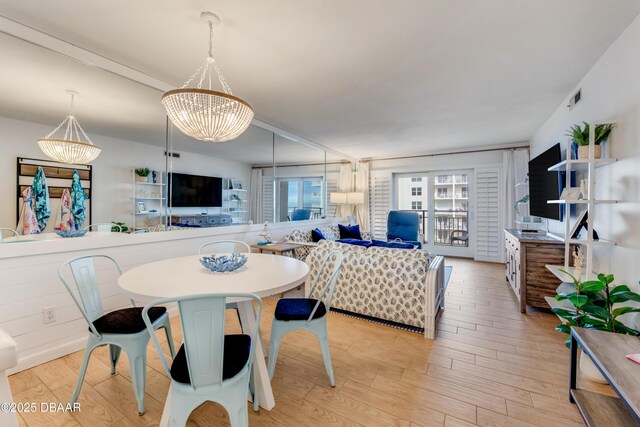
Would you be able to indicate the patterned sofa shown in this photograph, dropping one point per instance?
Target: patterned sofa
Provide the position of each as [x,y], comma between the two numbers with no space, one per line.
[331,232]
[400,285]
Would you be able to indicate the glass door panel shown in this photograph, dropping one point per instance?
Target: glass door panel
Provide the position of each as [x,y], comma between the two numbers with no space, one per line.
[412,192]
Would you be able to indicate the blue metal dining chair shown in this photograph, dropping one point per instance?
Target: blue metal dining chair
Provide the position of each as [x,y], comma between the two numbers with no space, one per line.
[405,226]
[308,314]
[300,214]
[119,329]
[209,366]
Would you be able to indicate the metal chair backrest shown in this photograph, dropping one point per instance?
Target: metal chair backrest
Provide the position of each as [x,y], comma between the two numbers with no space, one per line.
[330,285]
[84,275]
[104,227]
[11,231]
[224,246]
[203,321]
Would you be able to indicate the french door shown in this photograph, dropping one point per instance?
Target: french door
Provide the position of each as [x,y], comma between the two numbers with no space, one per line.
[443,201]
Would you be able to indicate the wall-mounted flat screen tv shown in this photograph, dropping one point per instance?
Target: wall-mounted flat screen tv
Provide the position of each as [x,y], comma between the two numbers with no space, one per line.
[545,185]
[195,191]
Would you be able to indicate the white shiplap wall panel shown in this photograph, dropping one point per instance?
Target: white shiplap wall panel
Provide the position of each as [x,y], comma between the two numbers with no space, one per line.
[29,281]
[488,214]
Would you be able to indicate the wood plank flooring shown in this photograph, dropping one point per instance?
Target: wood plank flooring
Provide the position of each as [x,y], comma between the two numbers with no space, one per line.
[489,366]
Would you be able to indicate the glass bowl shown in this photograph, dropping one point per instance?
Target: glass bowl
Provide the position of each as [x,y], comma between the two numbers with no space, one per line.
[71,233]
[224,263]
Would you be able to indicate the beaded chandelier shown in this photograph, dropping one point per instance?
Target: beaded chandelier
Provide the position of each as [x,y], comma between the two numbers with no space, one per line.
[69,148]
[206,114]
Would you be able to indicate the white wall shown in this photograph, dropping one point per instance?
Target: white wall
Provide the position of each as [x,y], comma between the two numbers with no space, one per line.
[112,189]
[610,91]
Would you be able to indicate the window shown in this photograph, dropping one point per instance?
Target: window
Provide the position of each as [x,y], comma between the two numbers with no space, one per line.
[442,193]
[416,206]
[416,191]
[299,193]
[416,179]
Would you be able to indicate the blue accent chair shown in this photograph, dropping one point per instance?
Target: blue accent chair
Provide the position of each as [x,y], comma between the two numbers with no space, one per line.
[300,214]
[308,314]
[405,226]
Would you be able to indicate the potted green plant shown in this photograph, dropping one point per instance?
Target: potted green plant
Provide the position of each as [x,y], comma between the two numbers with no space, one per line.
[142,174]
[596,305]
[119,227]
[580,136]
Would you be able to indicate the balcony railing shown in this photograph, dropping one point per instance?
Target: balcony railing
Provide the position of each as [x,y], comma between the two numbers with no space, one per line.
[445,223]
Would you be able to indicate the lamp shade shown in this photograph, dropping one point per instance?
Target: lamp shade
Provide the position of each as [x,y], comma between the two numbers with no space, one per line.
[338,198]
[356,198]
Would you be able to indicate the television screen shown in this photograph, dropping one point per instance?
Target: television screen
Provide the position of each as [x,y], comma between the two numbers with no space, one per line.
[545,185]
[195,191]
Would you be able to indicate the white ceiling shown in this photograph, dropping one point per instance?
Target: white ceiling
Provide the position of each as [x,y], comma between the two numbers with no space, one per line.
[366,77]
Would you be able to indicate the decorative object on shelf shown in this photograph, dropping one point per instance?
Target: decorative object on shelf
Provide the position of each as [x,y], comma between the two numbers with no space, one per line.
[581,223]
[578,261]
[142,207]
[65,220]
[142,174]
[224,263]
[237,199]
[154,177]
[584,189]
[236,184]
[78,198]
[593,307]
[574,149]
[206,114]
[570,193]
[525,199]
[69,148]
[265,238]
[580,136]
[41,199]
[71,233]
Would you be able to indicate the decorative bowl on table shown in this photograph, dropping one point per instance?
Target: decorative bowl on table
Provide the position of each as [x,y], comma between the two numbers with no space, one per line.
[71,233]
[224,263]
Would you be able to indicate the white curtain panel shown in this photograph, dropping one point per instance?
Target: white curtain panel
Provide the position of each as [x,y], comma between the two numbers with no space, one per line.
[515,166]
[362,185]
[345,185]
[256,196]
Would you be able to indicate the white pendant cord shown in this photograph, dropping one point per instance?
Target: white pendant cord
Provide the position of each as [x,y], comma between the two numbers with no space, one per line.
[205,70]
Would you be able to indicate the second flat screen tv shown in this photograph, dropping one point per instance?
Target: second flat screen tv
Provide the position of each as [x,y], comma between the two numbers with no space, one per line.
[545,185]
[195,191]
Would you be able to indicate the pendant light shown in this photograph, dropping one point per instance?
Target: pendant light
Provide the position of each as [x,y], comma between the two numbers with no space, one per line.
[206,114]
[69,148]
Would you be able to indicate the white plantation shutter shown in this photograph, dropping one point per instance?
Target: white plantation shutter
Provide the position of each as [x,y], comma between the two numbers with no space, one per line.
[488,214]
[379,202]
[267,199]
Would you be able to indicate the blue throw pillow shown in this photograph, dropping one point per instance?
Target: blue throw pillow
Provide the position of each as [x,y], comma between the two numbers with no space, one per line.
[396,245]
[355,242]
[350,232]
[316,235]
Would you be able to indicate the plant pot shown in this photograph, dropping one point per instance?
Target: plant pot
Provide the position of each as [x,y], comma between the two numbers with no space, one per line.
[142,178]
[583,152]
[589,370]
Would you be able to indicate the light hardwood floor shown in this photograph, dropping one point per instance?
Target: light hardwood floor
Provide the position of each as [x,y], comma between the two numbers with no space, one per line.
[490,365]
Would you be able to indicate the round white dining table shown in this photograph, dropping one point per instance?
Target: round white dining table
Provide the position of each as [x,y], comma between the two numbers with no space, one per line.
[263,275]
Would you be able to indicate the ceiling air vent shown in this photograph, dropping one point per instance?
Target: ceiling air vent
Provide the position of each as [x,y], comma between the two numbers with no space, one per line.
[575,99]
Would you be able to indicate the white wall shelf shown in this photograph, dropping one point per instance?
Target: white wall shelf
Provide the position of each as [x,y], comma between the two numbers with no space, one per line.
[587,166]
[581,201]
[152,195]
[237,208]
[578,164]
